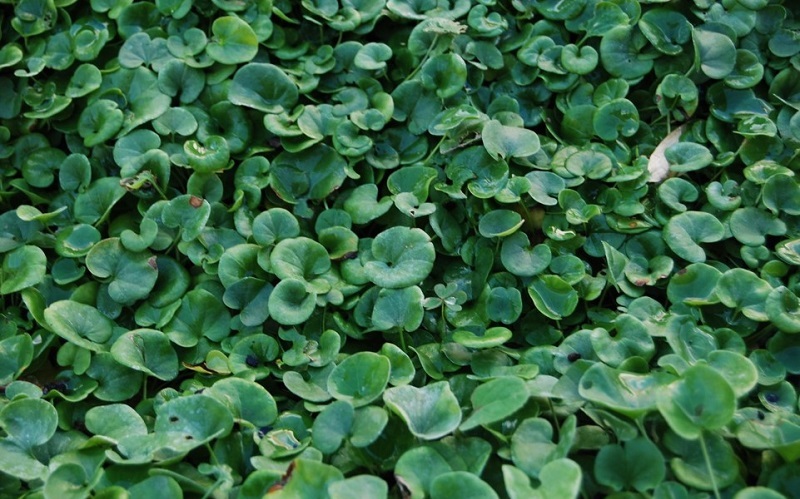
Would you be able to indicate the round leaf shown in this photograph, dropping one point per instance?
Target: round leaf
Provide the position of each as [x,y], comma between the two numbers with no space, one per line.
[360,378]
[22,268]
[402,257]
[234,41]
[701,400]
[147,350]
[430,412]
[264,87]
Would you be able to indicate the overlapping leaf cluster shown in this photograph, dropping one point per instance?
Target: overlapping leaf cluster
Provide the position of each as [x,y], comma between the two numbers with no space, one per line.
[405,248]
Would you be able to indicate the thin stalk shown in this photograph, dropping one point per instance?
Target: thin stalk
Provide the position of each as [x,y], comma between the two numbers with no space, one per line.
[708,466]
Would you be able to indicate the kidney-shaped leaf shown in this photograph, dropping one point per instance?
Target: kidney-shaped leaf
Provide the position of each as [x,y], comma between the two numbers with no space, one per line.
[496,400]
[132,275]
[402,257]
[29,422]
[360,378]
[686,230]
[503,142]
[195,418]
[639,464]
[264,87]
[22,268]
[553,296]
[397,309]
[234,41]
[147,350]
[430,412]
[630,394]
[701,400]
[247,401]
[82,325]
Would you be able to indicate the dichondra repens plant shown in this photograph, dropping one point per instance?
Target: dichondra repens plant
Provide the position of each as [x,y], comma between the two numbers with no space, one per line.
[399,248]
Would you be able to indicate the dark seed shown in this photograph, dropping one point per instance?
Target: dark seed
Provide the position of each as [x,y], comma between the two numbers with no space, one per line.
[251,360]
[573,356]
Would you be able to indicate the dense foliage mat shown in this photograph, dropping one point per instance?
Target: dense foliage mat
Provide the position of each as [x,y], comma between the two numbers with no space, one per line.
[404,248]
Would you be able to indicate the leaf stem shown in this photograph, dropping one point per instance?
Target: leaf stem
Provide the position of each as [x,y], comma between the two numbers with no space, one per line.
[708,465]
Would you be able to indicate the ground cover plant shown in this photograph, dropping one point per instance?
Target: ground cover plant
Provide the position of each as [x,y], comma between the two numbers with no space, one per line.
[399,248]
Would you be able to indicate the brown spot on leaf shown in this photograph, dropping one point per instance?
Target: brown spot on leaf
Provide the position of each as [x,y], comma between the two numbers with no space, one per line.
[196,202]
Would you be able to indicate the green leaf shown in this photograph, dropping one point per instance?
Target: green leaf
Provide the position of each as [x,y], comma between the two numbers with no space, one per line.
[686,230]
[82,325]
[28,422]
[360,378]
[495,400]
[332,426]
[115,421]
[461,484]
[309,479]
[688,156]
[248,402]
[22,268]
[290,303]
[553,296]
[398,309]
[200,314]
[234,41]
[445,74]
[274,225]
[131,275]
[505,142]
[701,400]
[147,350]
[715,53]
[430,412]
[639,464]
[559,478]
[628,393]
[402,257]
[264,87]
[178,419]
